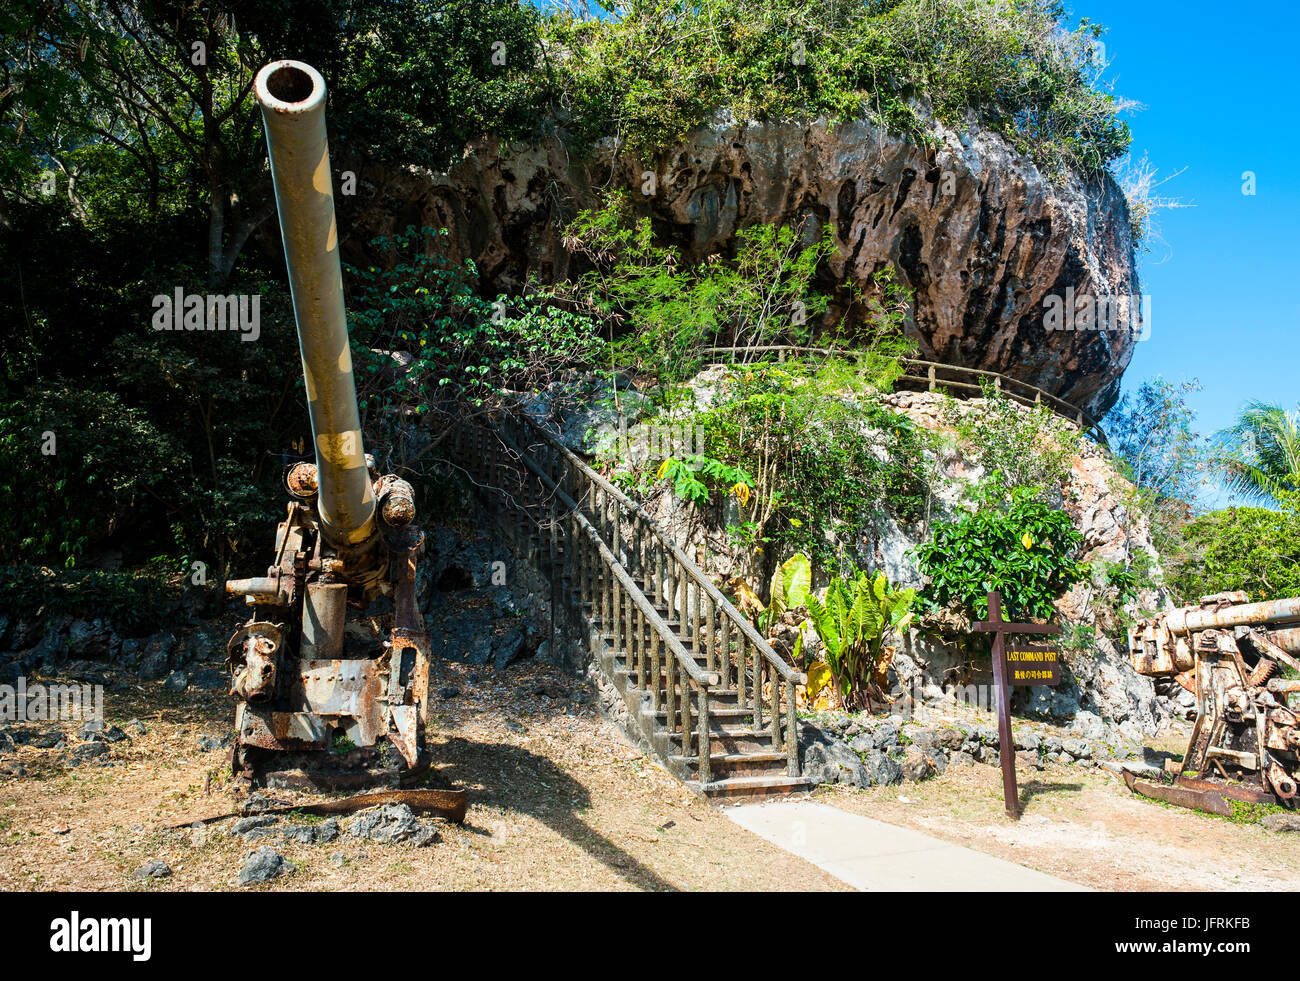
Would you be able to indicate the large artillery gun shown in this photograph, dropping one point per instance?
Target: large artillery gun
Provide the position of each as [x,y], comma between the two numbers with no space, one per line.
[1234,656]
[306,706]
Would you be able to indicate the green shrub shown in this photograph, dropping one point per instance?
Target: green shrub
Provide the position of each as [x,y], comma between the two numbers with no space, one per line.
[651,70]
[663,310]
[1018,446]
[791,587]
[458,349]
[164,440]
[1017,544]
[826,458]
[858,615]
[132,600]
[694,477]
[811,459]
[1253,549]
[1162,457]
[107,460]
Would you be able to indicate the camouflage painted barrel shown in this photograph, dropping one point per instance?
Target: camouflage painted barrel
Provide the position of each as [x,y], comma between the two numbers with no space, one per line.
[292,97]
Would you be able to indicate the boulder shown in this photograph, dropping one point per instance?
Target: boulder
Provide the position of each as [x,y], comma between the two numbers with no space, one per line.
[507,648]
[882,770]
[1025,740]
[86,752]
[93,640]
[1078,748]
[202,647]
[949,738]
[155,868]
[922,739]
[263,865]
[49,739]
[862,744]
[177,681]
[153,665]
[826,759]
[393,824]
[917,765]
[243,826]
[886,737]
[1281,821]
[25,634]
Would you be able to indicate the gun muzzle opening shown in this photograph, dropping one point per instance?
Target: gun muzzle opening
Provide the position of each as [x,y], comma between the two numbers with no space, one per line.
[289,86]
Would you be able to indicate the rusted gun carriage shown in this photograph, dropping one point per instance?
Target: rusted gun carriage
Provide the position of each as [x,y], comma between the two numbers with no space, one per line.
[307,706]
[1233,655]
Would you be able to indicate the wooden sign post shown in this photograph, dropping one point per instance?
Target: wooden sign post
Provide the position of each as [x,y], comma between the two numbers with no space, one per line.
[1025,664]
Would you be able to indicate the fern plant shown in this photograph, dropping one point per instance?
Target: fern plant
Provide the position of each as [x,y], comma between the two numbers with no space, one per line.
[854,622]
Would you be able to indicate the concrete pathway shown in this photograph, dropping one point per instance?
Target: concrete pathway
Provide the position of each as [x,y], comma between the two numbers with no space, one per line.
[876,857]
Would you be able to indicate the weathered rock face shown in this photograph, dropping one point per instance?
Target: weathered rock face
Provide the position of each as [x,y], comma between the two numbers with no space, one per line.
[1102,684]
[980,235]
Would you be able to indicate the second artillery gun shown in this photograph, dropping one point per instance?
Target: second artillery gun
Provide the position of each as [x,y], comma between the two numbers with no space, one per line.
[348,538]
[1234,656]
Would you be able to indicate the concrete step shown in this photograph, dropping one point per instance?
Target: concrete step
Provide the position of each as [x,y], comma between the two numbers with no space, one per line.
[718,697]
[731,739]
[752,788]
[721,715]
[723,765]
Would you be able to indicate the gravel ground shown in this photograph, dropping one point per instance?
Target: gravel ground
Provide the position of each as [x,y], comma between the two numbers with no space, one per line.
[558,800]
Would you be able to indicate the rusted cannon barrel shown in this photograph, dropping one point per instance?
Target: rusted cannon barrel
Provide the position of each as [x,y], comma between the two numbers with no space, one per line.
[1283,611]
[1288,640]
[292,97]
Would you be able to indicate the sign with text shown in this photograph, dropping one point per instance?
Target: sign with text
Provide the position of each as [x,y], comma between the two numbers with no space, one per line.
[1016,661]
[1030,663]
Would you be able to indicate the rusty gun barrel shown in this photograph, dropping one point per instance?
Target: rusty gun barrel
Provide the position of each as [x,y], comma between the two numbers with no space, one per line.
[1162,645]
[1190,620]
[292,97]
[1288,640]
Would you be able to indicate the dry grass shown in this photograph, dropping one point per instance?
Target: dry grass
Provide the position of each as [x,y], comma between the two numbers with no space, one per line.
[561,803]
[558,800]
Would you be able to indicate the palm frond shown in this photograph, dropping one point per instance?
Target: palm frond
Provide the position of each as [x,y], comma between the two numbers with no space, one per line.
[1258,457]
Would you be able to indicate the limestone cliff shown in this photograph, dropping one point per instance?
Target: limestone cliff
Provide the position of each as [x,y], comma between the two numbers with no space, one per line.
[979,233]
[1101,697]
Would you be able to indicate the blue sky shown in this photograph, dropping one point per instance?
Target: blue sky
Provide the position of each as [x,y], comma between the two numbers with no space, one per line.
[1219,91]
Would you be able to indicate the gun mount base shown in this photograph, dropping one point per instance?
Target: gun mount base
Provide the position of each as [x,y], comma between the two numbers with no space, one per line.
[325,700]
[327,773]
[1209,796]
